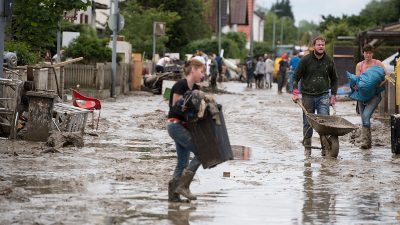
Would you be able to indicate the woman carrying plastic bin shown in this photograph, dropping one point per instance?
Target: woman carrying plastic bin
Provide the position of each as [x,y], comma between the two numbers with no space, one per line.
[177,130]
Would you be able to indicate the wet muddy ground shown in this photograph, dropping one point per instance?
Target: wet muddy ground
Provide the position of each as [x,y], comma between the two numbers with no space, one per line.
[121,175]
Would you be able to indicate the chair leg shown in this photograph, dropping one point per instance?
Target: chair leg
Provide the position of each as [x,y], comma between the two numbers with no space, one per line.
[92,119]
[98,119]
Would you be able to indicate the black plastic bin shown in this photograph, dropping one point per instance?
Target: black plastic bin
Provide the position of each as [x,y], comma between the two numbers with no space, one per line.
[211,140]
[395,133]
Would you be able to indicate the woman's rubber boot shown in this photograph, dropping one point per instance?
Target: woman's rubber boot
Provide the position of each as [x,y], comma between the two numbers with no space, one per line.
[365,138]
[307,147]
[172,196]
[184,183]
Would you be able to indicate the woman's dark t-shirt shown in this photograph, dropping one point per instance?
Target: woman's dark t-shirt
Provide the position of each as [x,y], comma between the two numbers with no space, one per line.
[180,88]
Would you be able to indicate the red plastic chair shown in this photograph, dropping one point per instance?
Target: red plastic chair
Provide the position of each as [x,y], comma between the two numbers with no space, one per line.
[89,103]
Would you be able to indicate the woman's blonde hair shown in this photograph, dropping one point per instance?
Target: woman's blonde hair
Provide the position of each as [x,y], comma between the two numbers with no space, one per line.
[192,63]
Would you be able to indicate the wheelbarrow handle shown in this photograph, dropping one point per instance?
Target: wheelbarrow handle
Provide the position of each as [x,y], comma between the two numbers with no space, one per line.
[302,107]
[305,111]
[334,109]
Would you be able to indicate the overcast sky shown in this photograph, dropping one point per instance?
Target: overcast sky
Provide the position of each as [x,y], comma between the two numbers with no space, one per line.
[311,10]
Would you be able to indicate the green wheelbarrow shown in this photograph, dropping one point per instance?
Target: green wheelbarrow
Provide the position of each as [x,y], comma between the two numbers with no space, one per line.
[329,129]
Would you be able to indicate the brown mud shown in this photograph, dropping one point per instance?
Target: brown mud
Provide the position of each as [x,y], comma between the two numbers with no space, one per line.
[120,176]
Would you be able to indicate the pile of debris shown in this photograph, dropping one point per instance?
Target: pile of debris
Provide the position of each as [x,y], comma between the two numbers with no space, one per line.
[153,82]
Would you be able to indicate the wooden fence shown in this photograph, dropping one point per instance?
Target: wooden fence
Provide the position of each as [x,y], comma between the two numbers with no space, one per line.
[92,80]
[96,80]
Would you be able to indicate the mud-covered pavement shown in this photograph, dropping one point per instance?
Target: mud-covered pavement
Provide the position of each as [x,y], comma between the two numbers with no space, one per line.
[121,175]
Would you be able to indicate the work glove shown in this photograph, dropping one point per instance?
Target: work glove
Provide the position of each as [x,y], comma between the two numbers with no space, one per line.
[295,95]
[333,100]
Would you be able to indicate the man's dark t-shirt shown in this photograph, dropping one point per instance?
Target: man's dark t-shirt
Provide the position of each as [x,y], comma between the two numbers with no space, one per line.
[180,88]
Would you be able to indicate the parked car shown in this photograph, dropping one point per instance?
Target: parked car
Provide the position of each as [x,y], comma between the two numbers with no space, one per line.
[10,59]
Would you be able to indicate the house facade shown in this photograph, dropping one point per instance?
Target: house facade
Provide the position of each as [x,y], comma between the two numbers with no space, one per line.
[236,16]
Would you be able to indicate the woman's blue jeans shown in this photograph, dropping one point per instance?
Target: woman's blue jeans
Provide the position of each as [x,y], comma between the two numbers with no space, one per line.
[319,103]
[184,145]
[367,109]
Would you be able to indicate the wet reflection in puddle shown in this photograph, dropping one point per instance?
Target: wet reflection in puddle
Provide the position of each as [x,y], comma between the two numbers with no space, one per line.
[48,186]
[140,149]
[319,201]
[101,145]
[179,214]
[139,141]
[241,152]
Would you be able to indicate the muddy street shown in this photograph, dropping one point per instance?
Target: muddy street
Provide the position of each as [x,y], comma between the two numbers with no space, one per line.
[121,175]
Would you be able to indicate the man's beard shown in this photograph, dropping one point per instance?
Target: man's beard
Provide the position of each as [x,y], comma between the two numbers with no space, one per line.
[319,54]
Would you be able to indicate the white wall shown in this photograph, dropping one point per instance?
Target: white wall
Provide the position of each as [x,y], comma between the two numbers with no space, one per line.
[67,37]
[124,48]
[258,28]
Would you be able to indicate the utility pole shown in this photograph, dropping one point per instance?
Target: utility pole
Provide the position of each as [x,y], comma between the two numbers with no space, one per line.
[58,42]
[2,29]
[273,35]
[115,15]
[154,46]
[273,31]
[219,27]
[251,29]
[5,11]
[282,30]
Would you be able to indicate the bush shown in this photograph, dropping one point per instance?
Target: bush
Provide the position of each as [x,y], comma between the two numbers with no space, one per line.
[24,52]
[90,47]
[261,48]
[232,43]
[205,45]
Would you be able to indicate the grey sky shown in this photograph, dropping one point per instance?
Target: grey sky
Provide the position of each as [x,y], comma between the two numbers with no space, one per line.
[311,10]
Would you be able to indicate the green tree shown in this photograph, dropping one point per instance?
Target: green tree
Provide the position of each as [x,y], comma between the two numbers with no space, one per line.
[139,26]
[268,27]
[290,32]
[376,13]
[381,12]
[306,31]
[24,52]
[326,21]
[35,22]
[191,24]
[332,33]
[89,46]
[233,44]
[283,8]
[261,48]
[335,30]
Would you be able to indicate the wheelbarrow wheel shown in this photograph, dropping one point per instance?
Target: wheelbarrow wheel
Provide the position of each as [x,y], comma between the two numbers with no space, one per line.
[334,146]
[330,145]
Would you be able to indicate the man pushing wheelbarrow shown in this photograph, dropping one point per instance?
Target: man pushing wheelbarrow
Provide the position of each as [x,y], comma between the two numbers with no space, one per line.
[317,75]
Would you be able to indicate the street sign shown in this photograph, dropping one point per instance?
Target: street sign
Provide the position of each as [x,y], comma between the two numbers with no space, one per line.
[159,29]
[120,22]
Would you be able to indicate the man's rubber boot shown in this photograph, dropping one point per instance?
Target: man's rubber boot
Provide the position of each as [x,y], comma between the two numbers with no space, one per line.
[365,138]
[307,147]
[172,196]
[184,183]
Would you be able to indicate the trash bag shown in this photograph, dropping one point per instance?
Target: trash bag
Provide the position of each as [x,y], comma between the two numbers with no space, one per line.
[366,86]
